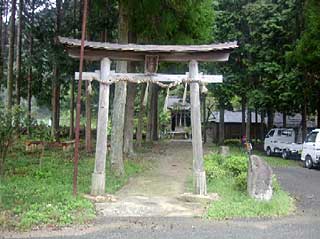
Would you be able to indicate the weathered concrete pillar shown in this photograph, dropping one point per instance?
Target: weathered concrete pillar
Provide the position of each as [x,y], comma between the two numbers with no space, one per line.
[98,176]
[199,175]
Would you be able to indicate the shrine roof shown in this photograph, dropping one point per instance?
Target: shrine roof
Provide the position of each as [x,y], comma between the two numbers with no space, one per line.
[135,52]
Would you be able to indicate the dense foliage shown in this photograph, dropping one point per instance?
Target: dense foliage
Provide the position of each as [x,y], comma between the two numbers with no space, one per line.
[275,67]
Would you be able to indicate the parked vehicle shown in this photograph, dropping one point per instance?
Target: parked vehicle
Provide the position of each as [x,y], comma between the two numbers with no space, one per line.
[311,149]
[281,141]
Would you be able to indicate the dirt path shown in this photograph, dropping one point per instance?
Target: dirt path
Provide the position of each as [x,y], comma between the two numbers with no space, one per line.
[156,191]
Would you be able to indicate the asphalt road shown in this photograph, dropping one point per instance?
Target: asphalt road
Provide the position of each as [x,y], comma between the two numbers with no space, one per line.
[302,183]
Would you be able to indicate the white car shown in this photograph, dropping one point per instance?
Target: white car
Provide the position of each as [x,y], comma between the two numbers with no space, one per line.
[311,149]
[282,141]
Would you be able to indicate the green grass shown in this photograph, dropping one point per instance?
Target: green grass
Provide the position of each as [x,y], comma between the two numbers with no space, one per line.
[237,204]
[32,195]
[224,178]
[273,161]
[278,161]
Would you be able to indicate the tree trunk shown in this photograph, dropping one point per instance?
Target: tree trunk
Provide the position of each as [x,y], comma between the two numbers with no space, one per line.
[55,101]
[129,115]
[221,124]
[256,126]
[152,130]
[88,120]
[11,55]
[304,120]
[5,30]
[88,144]
[262,126]
[29,96]
[243,115]
[71,129]
[270,119]
[19,53]
[204,119]
[318,110]
[129,121]
[149,115]
[248,124]
[1,44]
[154,110]
[284,120]
[140,117]
[72,86]
[119,103]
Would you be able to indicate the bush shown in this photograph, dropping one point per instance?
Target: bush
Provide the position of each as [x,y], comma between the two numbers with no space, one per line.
[40,131]
[241,181]
[236,165]
[232,142]
[214,157]
[214,170]
[213,166]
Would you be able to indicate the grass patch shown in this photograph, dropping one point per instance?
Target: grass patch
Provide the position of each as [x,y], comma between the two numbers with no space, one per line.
[227,177]
[273,161]
[279,162]
[34,196]
[236,204]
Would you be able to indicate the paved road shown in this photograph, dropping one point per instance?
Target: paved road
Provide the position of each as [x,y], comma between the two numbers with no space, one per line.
[304,185]
[300,182]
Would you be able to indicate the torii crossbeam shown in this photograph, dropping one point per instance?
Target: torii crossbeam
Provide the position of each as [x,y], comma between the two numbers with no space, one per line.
[151,55]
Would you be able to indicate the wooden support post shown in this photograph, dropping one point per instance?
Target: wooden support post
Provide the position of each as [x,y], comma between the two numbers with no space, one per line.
[98,176]
[199,175]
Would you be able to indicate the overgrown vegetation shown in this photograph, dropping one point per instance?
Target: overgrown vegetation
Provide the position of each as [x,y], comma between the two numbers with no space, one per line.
[33,196]
[227,176]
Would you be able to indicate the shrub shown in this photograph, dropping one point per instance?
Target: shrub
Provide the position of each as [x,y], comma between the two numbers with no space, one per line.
[236,165]
[241,181]
[214,157]
[232,142]
[214,170]
[213,167]
[40,131]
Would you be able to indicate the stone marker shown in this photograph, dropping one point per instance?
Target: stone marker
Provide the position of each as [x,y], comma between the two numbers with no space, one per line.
[224,151]
[259,179]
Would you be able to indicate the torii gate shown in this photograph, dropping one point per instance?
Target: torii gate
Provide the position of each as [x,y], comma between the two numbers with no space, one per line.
[151,55]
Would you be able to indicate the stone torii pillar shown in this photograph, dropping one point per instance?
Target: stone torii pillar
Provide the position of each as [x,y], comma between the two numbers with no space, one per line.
[199,174]
[98,176]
